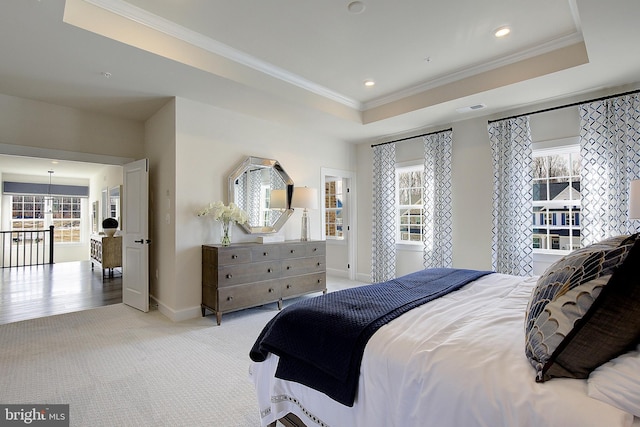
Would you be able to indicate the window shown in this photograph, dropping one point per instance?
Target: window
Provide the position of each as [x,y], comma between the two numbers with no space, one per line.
[333,202]
[38,212]
[27,213]
[409,201]
[556,199]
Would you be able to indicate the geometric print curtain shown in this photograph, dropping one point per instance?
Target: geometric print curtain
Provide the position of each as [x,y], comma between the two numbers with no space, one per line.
[512,233]
[383,251]
[437,200]
[610,160]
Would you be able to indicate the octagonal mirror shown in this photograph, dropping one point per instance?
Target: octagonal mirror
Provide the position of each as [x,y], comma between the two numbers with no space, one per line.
[263,190]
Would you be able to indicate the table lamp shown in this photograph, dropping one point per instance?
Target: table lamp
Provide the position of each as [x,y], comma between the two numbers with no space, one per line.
[305,198]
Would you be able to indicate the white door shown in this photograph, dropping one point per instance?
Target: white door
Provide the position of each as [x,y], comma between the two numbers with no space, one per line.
[135,241]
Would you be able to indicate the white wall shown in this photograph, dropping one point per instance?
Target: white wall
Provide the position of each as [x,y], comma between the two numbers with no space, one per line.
[105,178]
[47,128]
[209,143]
[472,176]
[160,147]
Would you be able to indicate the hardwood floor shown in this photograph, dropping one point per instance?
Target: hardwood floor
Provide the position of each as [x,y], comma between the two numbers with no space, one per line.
[45,290]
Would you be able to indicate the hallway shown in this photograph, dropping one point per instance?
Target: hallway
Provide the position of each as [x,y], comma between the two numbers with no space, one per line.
[45,290]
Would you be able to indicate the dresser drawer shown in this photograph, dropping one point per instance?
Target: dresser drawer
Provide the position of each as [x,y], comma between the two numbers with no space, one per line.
[245,273]
[217,256]
[265,253]
[303,249]
[241,296]
[294,250]
[300,285]
[315,249]
[296,266]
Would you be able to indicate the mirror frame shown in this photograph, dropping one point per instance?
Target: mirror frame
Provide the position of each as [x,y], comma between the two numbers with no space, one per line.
[261,163]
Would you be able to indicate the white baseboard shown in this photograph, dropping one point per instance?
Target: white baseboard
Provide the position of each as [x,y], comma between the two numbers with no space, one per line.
[337,273]
[179,315]
[365,278]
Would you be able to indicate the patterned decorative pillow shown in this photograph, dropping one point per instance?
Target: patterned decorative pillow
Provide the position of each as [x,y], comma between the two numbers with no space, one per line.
[563,296]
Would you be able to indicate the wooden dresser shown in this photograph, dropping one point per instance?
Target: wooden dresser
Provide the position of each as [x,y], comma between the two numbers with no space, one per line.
[106,252]
[246,275]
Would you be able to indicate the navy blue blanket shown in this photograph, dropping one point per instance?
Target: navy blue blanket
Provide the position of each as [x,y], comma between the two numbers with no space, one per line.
[321,340]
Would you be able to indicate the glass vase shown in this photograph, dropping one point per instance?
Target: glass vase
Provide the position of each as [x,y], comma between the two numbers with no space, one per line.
[225,233]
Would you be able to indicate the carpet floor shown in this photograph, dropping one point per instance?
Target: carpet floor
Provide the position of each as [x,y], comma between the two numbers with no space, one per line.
[116,366]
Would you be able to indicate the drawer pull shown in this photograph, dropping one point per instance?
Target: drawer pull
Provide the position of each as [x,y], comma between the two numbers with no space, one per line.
[315,249]
[229,298]
[293,250]
[319,281]
[234,256]
[270,290]
[268,270]
[318,264]
[288,267]
[288,286]
[265,253]
[229,276]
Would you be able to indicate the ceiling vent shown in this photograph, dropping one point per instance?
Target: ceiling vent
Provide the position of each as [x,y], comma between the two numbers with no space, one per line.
[471,108]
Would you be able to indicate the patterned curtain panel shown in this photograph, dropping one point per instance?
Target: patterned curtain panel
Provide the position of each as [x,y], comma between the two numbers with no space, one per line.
[610,153]
[437,200]
[383,251]
[512,234]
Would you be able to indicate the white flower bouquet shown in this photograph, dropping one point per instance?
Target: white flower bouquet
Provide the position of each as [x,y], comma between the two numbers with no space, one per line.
[220,212]
[226,215]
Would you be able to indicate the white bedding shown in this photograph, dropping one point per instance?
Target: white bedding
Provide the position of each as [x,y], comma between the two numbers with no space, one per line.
[456,361]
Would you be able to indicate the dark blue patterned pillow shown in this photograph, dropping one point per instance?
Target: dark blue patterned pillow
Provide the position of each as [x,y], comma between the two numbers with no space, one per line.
[564,294]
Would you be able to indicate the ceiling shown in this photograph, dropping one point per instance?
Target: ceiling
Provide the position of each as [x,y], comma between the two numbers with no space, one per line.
[304,63]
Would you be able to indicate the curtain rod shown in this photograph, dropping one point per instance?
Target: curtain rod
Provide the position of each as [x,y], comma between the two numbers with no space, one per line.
[412,137]
[567,106]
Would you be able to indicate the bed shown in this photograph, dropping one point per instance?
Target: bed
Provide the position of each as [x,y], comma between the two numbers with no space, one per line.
[476,356]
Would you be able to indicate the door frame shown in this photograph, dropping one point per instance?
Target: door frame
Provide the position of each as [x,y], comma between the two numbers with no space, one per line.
[350,233]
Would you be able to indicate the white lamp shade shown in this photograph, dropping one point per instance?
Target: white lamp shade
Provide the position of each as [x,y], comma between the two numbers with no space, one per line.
[278,199]
[634,199]
[304,197]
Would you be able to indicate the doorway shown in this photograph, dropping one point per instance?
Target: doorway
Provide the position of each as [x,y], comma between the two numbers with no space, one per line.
[338,225]
[70,284]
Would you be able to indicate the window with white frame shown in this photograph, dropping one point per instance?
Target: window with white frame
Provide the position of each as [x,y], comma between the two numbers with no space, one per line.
[409,196]
[334,208]
[556,199]
[37,212]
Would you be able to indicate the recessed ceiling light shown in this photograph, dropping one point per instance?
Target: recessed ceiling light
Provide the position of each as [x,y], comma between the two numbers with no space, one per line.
[356,7]
[502,32]
[369,83]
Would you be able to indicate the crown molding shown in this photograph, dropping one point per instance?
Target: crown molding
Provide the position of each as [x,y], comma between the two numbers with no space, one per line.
[165,26]
[155,22]
[547,47]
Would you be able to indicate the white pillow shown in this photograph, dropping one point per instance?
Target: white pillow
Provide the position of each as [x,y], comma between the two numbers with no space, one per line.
[617,382]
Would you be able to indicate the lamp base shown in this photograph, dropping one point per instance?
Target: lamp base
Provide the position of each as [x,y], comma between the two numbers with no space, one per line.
[304,228]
